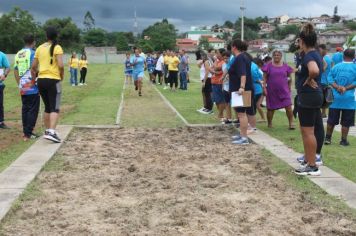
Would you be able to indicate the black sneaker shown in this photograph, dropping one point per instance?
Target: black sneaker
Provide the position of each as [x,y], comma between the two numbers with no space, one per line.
[139,94]
[327,141]
[53,137]
[136,88]
[3,126]
[308,170]
[344,143]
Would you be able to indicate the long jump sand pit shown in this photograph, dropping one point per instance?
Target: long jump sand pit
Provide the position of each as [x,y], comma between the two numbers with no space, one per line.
[186,181]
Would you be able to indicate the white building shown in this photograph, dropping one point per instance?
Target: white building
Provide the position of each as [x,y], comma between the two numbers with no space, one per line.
[197,34]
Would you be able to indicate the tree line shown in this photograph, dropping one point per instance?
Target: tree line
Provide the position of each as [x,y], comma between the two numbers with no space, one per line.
[17,23]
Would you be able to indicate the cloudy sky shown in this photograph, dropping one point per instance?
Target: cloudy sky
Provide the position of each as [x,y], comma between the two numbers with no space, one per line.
[117,15]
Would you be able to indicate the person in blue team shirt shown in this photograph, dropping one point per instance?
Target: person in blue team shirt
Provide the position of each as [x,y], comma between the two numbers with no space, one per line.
[138,63]
[4,71]
[150,62]
[327,62]
[28,88]
[128,69]
[343,79]
[337,57]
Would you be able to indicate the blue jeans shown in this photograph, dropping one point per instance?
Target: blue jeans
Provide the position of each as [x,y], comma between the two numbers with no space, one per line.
[73,76]
[183,80]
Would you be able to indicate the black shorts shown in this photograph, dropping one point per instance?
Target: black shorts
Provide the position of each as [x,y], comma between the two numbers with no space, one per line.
[227,97]
[157,72]
[251,111]
[51,93]
[256,98]
[308,117]
[347,117]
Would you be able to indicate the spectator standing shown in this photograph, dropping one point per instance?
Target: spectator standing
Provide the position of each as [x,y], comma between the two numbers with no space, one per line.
[48,63]
[83,66]
[343,79]
[277,87]
[310,100]
[183,70]
[327,62]
[4,71]
[28,88]
[73,69]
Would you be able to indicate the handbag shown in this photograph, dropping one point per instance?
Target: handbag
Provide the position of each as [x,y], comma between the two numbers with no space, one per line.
[328,96]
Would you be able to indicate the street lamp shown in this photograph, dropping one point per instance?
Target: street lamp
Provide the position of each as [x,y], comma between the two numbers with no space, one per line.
[242,8]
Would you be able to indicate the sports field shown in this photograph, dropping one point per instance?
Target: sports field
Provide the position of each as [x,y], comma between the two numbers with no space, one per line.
[155,176]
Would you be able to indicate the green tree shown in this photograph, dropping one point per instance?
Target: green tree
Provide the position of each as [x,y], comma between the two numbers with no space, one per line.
[14,26]
[95,37]
[145,45]
[228,24]
[282,32]
[89,22]
[204,44]
[162,35]
[351,25]
[121,42]
[68,32]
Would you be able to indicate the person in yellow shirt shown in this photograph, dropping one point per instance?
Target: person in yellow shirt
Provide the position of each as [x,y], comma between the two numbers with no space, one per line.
[83,65]
[73,69]
[173,70]
[48,68]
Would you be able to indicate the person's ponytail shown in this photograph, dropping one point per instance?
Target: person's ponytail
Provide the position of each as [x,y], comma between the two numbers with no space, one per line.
[51,50]
[52,34]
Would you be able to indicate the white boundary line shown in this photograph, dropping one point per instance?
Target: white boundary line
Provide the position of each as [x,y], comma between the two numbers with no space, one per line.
[171,106]
[121,106]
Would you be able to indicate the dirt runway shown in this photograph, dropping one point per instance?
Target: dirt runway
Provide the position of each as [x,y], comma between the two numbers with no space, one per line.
[185,181]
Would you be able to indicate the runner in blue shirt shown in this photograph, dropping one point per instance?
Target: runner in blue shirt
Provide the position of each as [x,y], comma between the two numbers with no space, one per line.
[128,69]
[138,63]
[4,71]
[343,79]
[28,87]
[150,62]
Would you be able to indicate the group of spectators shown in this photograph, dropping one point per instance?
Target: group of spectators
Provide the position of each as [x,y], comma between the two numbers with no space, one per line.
[38,74]
[224,72]
[163,68]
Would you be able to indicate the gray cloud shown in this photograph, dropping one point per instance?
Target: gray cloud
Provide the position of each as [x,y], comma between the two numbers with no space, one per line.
[117,15]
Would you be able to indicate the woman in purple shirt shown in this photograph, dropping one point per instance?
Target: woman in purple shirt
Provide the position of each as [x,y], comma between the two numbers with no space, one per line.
[277,87]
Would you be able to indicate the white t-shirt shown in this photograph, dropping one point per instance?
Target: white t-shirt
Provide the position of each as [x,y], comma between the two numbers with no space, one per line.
[202,71]
[159,63]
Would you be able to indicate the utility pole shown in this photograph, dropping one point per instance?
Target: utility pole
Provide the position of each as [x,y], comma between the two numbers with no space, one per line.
[242,8]
[135,23]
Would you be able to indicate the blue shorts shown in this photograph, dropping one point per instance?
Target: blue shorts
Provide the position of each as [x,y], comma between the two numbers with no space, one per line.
[151,70]
[137,75]
[128,73]
[218,95]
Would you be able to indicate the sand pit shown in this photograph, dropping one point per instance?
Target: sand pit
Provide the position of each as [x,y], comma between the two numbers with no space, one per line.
[187,181]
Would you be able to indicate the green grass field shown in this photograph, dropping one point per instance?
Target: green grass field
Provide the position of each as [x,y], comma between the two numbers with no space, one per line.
[94,104]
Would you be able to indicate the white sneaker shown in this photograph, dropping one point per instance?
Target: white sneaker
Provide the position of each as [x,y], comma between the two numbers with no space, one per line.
[73,85]
[80,84]
[165,88]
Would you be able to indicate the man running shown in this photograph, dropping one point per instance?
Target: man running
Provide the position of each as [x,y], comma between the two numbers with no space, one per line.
[28,88]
